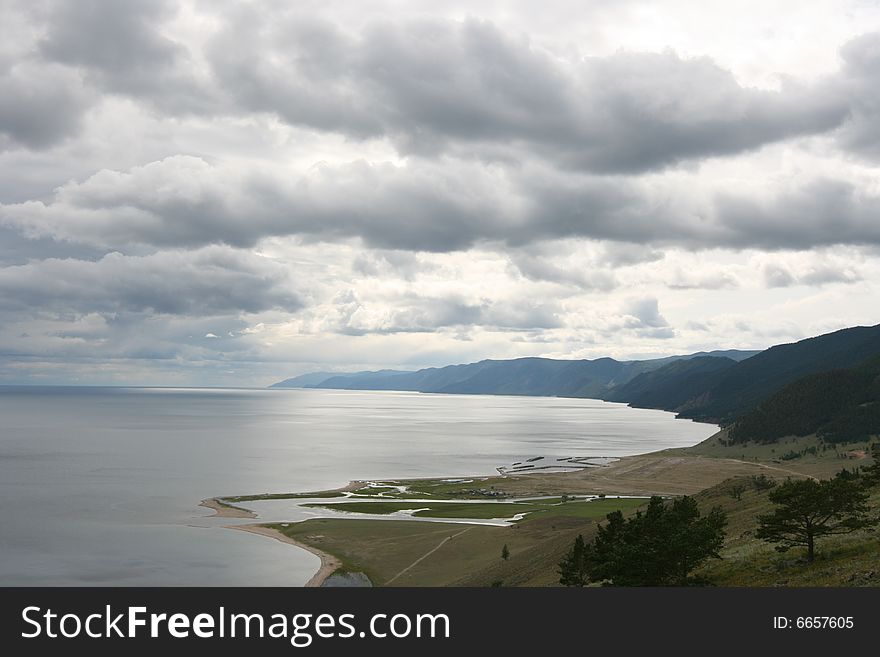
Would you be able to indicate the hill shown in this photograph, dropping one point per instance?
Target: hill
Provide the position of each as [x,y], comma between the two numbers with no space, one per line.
[742,387]
[838,405]
[673,385]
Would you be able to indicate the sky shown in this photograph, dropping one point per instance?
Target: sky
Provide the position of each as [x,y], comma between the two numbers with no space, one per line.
[233,192]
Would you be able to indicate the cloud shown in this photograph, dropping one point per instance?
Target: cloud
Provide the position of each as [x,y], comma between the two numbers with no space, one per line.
[184,201]
[777,275]
[861,84]
[562,270]
[624,254]
[213,281]
[429,86]
[411,312]
[442,86]
[643,316]
[392,264]
[39,105]
[716,280]
[819,211]
[444,206]
[392,185]
[121,49]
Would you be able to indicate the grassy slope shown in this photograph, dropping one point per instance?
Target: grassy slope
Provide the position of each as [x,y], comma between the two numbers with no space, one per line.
[822,464]
[665,473]
[746,561]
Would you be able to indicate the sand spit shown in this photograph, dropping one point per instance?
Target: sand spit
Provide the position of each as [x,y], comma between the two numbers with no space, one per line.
[226,511]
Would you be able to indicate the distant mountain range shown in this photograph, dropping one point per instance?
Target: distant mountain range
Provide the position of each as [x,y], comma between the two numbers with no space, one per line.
[828,384]
[520,376]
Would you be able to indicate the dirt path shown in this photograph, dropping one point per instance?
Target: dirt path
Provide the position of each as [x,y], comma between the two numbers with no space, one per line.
[773,467]
[426,555]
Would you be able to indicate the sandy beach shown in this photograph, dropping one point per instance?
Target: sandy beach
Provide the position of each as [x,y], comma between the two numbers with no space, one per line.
[329,563]
[224,511]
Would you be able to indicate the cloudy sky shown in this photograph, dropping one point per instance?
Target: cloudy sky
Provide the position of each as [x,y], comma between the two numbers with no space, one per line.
[231,192]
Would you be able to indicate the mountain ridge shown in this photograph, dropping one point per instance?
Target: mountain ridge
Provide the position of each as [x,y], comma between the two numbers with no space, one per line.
[533,376]
[718,387]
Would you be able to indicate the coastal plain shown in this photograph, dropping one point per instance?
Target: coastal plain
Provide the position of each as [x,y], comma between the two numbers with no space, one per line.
[546,511]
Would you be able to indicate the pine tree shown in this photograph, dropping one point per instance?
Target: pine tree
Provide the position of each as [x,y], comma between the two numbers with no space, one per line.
[573,568]
[871,473]
[657,547]
[808,510]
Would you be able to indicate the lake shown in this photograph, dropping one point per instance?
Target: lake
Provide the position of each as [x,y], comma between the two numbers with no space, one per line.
[100,486]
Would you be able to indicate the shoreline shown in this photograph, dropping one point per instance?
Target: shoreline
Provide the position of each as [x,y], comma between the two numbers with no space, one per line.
[225,511]
[329,563]
[670,472]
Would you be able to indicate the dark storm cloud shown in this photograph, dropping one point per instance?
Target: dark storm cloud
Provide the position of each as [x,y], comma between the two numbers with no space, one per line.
[431,87]
[119,39]
[121,48]
[183,201]
[213,281]
[39,105]
[819,212]
[437,87]
[441,207]
[15,249]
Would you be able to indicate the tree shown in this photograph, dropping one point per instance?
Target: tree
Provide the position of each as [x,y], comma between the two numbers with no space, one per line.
[505,553]
[762,482]
[808,510]
[871,473]
[573,569]
[659,547]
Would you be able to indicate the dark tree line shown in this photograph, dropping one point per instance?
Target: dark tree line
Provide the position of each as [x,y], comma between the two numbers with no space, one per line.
[658,547]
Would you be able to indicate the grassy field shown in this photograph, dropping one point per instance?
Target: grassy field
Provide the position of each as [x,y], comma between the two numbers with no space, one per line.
[551,508]
[794,455]
[384,549]
[660,473]
[407,553]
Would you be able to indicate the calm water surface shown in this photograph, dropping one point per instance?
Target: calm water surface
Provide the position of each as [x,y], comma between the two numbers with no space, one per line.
[100,486]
